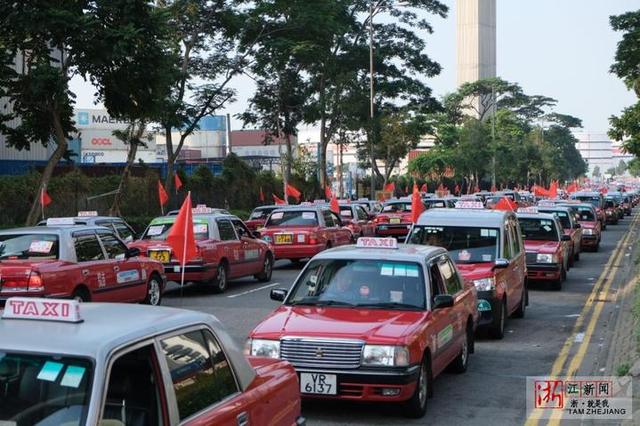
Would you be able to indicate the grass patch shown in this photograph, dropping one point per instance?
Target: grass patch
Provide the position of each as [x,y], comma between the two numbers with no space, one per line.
[623,369]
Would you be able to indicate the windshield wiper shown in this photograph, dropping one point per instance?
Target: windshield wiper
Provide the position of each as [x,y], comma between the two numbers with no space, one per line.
[389,305]
[321,303]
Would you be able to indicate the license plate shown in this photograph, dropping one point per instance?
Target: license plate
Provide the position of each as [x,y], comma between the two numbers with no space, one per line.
[394,220]
[284,238]
[163,256]
[318,383]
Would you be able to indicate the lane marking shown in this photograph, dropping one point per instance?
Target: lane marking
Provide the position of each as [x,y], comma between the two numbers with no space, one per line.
[558,364]
[579,338]
[253,290]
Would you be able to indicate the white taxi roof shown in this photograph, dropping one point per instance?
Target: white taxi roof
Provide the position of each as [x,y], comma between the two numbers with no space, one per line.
[464,217]
[404,252]
[536,216]
[109,326]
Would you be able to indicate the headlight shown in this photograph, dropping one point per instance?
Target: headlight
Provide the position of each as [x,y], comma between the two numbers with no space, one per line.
[385,356]
[485,284]
[546,258]
[587,231]
[264,348]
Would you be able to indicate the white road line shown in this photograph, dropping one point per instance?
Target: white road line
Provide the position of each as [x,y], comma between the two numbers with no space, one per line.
[572,316]
[244,293]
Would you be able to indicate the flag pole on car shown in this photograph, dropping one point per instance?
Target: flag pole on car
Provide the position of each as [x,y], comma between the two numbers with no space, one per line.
[181,238]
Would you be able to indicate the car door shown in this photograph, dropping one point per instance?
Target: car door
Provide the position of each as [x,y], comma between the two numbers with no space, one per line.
[520,262]
[252,250]
[131,282]
[96,270]
[343,234]
[204,386]
[368,229]
[443,343]
[453,286]
[514,271]
[231,248]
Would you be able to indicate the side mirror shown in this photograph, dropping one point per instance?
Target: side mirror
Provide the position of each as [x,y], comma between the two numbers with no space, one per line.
[566,238]
[132,252]
[442,301]
[577,226]
[278,294]
[501,264]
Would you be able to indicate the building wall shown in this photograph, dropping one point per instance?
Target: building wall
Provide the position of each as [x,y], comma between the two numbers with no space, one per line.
[598,150]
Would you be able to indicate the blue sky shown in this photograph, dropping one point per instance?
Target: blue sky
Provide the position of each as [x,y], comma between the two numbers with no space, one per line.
[557,48]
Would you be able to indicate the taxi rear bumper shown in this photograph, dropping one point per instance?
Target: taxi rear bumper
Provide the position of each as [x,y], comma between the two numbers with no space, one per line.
[297,251]
[196,272]
[392,230]
[590,240]
[399,384]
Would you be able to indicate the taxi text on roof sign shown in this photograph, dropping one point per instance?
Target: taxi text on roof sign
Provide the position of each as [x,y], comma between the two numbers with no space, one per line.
[532,209]
[89,213]
[469,205]
[42,309]
[201,209]
[55,221]
[371,242]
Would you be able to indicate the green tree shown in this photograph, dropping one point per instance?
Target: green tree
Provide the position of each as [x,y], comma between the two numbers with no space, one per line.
[621,168]
[634,167]
[596,172]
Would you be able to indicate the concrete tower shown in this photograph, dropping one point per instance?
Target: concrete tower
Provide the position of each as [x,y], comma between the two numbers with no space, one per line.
[476,39]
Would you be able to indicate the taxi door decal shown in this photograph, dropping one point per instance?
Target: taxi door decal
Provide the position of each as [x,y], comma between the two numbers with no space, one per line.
[128,276]
[444,336]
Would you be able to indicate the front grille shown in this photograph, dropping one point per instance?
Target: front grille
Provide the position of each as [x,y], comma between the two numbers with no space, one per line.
[532,258]
[322,353]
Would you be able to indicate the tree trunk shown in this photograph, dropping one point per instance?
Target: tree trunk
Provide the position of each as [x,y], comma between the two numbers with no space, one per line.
[134,135]
[322,152]
[340,183]
[168,180]
[287,170]
[61,140]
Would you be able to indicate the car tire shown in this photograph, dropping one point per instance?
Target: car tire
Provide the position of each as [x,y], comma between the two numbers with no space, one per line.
[577,256]
[267,269]
[563,274]
[596,247]
[154,291]
[519,313]
[557,284]
[461,362]
[496,330]
[416,406]
[221,282]
[81,295]
[572,259]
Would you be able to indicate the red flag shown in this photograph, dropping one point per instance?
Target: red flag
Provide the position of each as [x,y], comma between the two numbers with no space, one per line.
[334,206]
[572,187]
[292,191]
[327,192]
[178,182]
[553,189]
[456,190]
[390,187]
[539,191]
[162,194]
[506,204]
[277,200]
[180,236]
[417,207]
[45,200]
[261,195]
[424,188]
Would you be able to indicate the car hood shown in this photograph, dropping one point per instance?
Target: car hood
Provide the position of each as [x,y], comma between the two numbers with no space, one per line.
[371,325]
[540,246]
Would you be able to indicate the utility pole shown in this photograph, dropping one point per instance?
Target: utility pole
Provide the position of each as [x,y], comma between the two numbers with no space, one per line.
[493,137]
[371,94]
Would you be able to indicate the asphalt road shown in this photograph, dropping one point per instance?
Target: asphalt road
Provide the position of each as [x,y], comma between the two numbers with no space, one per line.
[492,391]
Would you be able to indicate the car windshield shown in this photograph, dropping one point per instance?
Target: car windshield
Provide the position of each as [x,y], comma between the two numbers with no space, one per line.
[261,213]
[158,231]
[346,211]
[435,203]
[586,214]
[397,207]
[594,201]
[374,284]
[44,390]
[565,221]
[538,229]
[466,244]
[292,218]
[29,246]
[609,204]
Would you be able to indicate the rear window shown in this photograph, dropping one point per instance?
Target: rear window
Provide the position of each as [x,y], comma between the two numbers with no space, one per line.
[293,218]
[586,215]
[158,231]
[465,244]
[538,229]
[29,246]
[565,221]
[261,213]
[396,208]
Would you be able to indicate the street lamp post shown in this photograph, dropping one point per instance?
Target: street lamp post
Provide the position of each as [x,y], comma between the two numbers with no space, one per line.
[373,177]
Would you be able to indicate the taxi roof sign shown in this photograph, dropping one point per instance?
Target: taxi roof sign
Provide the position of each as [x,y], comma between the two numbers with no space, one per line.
[42,309]
[55,221]
[201,209]
[373,242]
[469,205]
[532,209]
[87,213]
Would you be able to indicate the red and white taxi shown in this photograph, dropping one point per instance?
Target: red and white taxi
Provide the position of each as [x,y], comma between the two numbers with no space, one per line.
[570,225]
[259,216]
[395,218]
[355,217]
[70,363]
[487,247]
[88,263]
[590,225]
[374,322]
[226,250]
[301,232]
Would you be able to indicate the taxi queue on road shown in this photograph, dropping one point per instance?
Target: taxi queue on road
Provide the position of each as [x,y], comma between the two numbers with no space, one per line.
[367,319]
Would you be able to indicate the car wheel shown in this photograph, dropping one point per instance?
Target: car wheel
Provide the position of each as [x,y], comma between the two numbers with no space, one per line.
[519,313]
[572,259]
[496,330]
[154,291]
[220,283]
[416,407]
[267,269]
[81,295]
[557,284]
[577,256]
[459,365]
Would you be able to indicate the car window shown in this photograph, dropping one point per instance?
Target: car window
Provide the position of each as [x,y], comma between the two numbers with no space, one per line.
[115,248]
[133,395]
[328,219]
[227,232]
[362,215]
[506,243]
[240,228]
[397,207]
[292,218]
[451,279]
[436,281]
[515,240]
[87,247]
[29,246]
[538,229]
[200,372]
[336,219]
[466,244]
[345,211]
[124,231]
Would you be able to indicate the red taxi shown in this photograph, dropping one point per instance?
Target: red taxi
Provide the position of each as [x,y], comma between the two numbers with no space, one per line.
[591,226]
[596,199]
[488,250]
[395,218]
[259,216]
[301,232]
[226,250]
[546,245]
[355,217]
[375,322]
[571,227]
[88,263]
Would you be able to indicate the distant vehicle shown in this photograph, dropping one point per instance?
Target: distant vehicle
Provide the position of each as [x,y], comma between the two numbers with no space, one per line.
[395,218]
[115,364]
[596,199]
[572,228]
[117,224]
[591,227]
[259,216]
[355,217]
